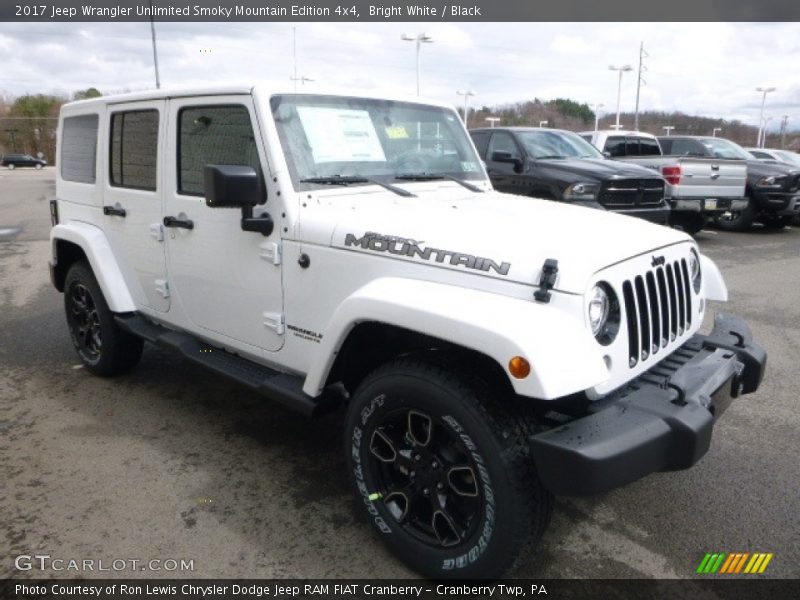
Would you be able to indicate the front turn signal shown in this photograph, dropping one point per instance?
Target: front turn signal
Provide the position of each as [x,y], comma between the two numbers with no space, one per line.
[519,367]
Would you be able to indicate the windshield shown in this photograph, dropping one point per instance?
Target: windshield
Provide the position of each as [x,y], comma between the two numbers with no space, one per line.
[726,149]
[557,144]
[328,138]
[788,157]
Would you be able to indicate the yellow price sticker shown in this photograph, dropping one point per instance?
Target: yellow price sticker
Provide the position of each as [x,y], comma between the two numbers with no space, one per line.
[397,132]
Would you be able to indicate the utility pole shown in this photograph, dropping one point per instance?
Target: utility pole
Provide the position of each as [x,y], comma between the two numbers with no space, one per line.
[622,69]
[420,39]
[302,78]
[155,50]
[784,125]
[764,91]
[640,82]
[596,109]
[466,95]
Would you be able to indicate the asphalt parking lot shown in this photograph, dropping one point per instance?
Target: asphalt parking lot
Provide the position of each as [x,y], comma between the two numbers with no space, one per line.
[170,462]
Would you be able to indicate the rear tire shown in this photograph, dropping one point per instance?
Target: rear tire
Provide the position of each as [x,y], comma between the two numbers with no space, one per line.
[11,167]
[443,470]
[738,221]
[104,348]
[38,167]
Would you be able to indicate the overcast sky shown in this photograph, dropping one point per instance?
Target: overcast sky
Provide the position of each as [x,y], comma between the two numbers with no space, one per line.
[707,68]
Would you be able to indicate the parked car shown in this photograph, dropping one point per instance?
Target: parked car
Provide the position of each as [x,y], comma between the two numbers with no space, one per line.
[773,189]
[491,350]
[12,161]
[559,165]
[699,189]
[774,155]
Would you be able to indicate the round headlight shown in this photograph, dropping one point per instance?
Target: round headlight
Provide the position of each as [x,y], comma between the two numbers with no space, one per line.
[604,313]
[598,309]
[694,270]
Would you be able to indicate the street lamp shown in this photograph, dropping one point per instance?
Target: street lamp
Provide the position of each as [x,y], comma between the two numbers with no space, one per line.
[764,91]
[763,140]
[668,129]
[466,95]
[542,123]
[715,131]
[622,69]
[596,109]
[419,39]
[492,121]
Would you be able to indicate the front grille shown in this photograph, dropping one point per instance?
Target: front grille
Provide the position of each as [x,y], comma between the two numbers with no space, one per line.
[631,193]
[658,309]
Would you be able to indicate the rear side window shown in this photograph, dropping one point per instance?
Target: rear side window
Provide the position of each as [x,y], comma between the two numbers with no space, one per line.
[615,146]
[649,147]
[79,149]
[134,149]
[213,135]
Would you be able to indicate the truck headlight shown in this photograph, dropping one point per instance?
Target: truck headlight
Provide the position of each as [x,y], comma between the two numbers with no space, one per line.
[581,191]
[770,182]
[694,270]
[604,313]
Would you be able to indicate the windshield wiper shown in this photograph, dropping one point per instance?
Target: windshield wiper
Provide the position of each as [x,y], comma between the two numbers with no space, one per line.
[348,179]
[435,176]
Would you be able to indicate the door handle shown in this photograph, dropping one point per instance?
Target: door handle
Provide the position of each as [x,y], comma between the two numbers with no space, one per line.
[116,211]
[176,222]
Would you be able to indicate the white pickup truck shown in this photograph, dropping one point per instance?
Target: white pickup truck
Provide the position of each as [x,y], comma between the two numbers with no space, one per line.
[699,189]
[492,350]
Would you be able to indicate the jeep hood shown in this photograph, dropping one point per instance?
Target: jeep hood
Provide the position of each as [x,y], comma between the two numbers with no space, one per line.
[482,234]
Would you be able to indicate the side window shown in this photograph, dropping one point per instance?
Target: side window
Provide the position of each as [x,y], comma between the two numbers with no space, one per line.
[213,135]
[502,142]
[481,139]
[134,149]
[615,146]
[758,154]
[649,147]
[79,149]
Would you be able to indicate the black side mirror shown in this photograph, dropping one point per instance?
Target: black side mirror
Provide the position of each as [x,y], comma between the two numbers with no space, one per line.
[235,186]
[506,157]
[606,154]
[232,186]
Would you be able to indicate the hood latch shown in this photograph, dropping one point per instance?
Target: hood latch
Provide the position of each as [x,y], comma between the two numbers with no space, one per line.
[547,280]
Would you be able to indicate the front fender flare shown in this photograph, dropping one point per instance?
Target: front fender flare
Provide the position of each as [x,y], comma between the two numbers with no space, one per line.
[101,258]
[714,287]
[564,356]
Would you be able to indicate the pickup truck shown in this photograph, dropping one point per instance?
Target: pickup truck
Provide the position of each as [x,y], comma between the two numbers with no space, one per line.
[699,188]
[559,165]
[488,351]
[772,191]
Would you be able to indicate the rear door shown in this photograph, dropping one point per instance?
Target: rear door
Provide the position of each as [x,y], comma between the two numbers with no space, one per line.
[227,281]
[133,197]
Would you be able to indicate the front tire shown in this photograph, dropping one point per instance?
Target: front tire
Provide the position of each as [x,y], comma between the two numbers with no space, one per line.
[103,348]
[778,222]
[38,166]
[442,470]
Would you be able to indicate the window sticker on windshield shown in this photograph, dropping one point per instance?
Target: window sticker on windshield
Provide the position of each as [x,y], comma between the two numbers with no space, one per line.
[340,135]
[397,132]
[468,167]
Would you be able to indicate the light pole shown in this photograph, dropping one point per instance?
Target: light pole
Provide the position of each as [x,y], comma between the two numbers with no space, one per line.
[542,124]
[668,129]
[622,69]
[155,51]
[763,140]
[420,39]
[715,131]
[492,121]
[295,78]
[596,109]
[466,95]
[764,91]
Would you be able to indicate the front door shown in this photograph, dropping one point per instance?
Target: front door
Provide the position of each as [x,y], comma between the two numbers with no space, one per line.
[503,175]
[227,281]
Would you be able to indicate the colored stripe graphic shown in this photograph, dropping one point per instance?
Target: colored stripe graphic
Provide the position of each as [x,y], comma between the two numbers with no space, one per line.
[734,563]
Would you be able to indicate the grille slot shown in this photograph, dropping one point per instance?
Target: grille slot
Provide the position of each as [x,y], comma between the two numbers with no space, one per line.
[658,308]
[631,193]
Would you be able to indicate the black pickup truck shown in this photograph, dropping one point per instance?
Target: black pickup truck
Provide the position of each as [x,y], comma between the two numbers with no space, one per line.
[559,165]
[772,190]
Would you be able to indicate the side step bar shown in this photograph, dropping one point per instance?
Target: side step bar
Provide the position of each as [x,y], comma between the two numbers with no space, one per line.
[282,387]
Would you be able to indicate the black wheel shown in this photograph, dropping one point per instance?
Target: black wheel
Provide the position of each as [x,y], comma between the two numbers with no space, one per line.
[102,346]
[443,472]
[778,222]
[738,221]
[690,223]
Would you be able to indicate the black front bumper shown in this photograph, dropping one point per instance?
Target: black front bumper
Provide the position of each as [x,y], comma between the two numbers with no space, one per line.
[661,421]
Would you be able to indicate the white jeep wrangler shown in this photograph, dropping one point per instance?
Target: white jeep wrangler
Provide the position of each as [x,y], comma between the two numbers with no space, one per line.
[492,350]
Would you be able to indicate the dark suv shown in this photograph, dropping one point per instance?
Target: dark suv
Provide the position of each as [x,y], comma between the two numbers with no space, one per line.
[772,190]
[560,165]
[12,161]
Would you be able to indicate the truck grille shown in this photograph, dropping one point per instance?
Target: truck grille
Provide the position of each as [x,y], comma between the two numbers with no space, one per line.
[658,309]
[631,193]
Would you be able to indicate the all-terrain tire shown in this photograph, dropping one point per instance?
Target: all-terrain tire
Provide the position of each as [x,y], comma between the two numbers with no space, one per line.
[510,507]
[103,347]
